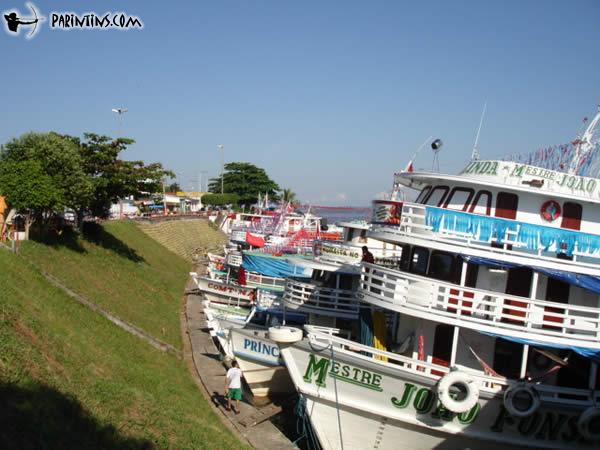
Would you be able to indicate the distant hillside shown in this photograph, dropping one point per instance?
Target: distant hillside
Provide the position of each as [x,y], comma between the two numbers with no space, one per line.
[185,237]
[70,379]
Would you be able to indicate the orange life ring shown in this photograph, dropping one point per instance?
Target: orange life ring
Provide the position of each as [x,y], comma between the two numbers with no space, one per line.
[550,210]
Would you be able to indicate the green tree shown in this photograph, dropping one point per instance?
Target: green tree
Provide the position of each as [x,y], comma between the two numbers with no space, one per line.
[173,187]
[246,180]
[59,160]
[220,199]
[28,189]
[289,196]
[113,178]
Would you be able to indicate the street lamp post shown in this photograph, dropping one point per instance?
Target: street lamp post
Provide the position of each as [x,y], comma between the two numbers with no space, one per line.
[222,148]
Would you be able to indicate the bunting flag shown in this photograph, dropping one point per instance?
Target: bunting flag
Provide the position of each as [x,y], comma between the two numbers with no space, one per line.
[409,166]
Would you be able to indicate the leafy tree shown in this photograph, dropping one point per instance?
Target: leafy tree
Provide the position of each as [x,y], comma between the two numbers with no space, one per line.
[220,199]
[59,163]
[173,187]
[246,180]
[113,178]
[28,189]
[289,196]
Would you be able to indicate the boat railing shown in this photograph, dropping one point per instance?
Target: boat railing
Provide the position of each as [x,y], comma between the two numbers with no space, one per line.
[321,300]
[322,339]
[264,281]
[480,309]
[476,231]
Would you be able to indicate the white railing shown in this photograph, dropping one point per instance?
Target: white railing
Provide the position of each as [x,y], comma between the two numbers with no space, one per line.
[307,297]
[413,225]
[322,338]
[479,309]
[238,235]
[263,281]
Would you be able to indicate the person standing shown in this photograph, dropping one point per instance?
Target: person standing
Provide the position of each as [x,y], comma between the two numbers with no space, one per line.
[367,256]
[233,387]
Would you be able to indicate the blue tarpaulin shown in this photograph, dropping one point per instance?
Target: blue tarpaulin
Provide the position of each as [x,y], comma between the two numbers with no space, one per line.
[591,353]
[272,266]
[534,237]
[588,282]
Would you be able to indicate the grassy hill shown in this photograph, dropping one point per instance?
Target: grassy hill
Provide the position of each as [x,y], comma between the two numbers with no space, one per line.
[70,378]
[185,237]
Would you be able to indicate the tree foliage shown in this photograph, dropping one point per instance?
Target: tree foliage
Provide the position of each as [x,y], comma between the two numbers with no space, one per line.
[289,196]
[246,180]
[220,199]
[43,172]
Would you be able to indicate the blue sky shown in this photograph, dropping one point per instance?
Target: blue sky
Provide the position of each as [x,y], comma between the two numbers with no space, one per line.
[330,97]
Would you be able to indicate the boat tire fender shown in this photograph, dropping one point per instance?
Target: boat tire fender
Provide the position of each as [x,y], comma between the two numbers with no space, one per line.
[466,383]
[521,390]
[587,423]
[285,335]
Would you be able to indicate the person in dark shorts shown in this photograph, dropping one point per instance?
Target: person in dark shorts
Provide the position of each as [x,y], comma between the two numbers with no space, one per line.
[233,387]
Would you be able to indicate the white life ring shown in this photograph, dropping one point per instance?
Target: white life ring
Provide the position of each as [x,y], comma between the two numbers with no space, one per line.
[285,335]
[584,424]
[521,389]
[466,383]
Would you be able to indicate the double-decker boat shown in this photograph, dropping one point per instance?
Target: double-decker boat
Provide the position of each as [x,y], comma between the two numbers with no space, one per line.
[492,317]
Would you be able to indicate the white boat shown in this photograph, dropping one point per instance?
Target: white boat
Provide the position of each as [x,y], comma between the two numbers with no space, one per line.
[491,318]
[224,291]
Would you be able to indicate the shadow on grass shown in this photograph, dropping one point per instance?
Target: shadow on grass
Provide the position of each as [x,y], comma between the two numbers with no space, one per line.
[39,416]
[94,233]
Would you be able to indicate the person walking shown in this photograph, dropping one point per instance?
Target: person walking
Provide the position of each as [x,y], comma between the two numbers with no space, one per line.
[233,387]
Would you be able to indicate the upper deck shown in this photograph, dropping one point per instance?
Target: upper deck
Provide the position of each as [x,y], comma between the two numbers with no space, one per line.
[512,176]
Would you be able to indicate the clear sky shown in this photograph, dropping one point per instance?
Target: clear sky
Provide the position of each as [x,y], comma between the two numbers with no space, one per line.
[330,97]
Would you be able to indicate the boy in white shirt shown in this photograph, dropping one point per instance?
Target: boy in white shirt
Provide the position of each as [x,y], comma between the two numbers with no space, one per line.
[233,386]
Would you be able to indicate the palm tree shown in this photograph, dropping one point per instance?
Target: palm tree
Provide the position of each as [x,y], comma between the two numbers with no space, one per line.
[289,196]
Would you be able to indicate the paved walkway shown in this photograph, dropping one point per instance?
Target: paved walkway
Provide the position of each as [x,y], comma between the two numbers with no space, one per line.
[252,424]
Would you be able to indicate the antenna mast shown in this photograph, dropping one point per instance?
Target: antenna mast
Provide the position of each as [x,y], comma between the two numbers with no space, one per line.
[475,153]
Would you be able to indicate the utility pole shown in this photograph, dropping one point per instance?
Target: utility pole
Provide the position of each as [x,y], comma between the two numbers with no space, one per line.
[222,148]
[164,199]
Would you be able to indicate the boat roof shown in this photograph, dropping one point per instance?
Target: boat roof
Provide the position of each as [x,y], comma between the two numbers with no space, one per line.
[359,224]
[513,176]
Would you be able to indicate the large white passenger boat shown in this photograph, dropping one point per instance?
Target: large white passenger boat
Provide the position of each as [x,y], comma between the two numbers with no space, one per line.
[492,315]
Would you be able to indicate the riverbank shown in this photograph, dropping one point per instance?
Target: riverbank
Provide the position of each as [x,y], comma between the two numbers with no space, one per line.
[70,378]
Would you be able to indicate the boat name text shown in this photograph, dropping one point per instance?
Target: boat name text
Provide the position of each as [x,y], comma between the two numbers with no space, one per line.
[322,367]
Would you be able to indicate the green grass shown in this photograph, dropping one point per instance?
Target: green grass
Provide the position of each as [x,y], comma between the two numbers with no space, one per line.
[70,379]
[186,237]
[122,270]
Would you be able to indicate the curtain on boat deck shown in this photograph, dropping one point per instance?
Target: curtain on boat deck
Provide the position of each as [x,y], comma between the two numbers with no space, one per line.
[534,237]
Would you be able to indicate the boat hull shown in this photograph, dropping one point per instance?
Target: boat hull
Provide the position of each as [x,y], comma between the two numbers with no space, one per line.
[219,291]
[355,402]
[260,361]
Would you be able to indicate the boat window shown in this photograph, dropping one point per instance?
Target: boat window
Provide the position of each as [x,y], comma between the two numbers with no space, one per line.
[418,262]
[436,196]
[576,373]
[442,344]
[442,266]
[423,194]
[482,203]
[507,358]
[346,282]
[405,258]
[506,205]
[459,199]
[571,216]
[349,234]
